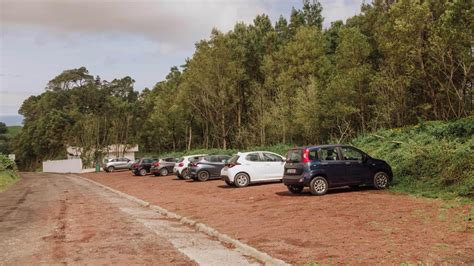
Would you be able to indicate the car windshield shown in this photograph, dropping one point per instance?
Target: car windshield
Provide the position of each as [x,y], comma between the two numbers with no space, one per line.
[295,155]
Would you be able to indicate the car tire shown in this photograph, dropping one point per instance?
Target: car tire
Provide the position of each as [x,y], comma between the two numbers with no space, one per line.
[295,189]
[203,176]
[186,174]
[318,186]
[142,172]
[110,169]
[230,184]
[381,180]
[241,180]
[164,172]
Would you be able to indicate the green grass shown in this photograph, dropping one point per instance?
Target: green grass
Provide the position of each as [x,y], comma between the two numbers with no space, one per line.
[433,159]
[7,178]
[13,130]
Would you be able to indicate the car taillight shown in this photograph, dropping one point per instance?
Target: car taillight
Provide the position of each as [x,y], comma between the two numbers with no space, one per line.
[193,164]
[230,165]
[156,164]
[305,156]
[181,164]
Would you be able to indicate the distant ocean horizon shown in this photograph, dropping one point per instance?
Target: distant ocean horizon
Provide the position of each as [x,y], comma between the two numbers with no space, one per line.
[12,120]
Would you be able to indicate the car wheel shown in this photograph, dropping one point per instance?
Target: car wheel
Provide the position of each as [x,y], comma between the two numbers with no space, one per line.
[295,189]
[318,186]
[186,175]
[229,183]
[142,172]
[203,176]
[381,180]
[164,172]
[110,169]
[242,180]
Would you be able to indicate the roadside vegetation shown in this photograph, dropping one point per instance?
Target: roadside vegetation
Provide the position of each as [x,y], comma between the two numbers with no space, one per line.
[432,159]
[8,172]
[7,133]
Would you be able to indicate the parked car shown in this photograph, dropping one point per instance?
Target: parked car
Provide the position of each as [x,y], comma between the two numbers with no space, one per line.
[181,168]
[328,166]
[256,166]
[163,166]
[111,165]
[143,166]
[208,167]
[130,163]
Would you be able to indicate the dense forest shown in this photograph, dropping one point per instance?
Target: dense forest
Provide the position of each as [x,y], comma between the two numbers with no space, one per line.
[291,81]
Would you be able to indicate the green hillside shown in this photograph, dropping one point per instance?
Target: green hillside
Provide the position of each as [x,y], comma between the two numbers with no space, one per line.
[13,130]
[432,159]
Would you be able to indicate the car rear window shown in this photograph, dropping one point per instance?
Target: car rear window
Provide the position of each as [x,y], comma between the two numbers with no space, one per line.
[295,155]
[234,159]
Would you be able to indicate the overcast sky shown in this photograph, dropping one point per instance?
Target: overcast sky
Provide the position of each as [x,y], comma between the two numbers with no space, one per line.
[113,39]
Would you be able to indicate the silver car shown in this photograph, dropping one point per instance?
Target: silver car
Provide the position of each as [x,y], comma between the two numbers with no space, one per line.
[111,165]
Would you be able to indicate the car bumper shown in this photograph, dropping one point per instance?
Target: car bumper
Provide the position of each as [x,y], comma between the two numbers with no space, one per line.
[293,180]
[226,178]
[226,174]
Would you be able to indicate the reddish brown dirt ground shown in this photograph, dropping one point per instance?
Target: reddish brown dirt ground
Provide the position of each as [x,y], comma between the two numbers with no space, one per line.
[48,219]
[344,226]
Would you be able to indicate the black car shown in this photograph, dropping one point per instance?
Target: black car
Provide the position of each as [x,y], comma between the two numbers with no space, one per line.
[143,166]
[208,167]
[327,166]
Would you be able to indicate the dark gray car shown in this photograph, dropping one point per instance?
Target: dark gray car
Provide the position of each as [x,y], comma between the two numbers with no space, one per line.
[208,167]
[164,166]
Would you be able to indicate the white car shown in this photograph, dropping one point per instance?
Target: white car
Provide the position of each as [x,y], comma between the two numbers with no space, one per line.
[256,166]
[181,168]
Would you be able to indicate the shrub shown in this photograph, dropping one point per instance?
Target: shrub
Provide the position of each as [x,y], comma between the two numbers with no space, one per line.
[433,159]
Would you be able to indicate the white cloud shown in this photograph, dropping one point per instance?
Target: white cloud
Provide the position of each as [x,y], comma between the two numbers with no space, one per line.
[340,9]
[170,22]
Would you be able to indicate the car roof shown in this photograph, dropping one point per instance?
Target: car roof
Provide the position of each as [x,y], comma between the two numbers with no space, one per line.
[247,152]
[189,156]
[322,146]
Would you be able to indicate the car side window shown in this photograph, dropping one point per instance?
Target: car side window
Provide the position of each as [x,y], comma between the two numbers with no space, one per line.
[268,157]
[313,155]
[329,154]
[351,154]
[253,157]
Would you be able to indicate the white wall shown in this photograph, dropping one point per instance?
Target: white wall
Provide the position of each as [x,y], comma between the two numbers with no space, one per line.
[63,166]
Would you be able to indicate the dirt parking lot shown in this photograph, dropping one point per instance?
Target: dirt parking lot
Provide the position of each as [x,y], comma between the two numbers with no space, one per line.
[344,226]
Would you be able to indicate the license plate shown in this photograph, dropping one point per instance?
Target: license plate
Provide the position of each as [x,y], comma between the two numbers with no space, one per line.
[291,171]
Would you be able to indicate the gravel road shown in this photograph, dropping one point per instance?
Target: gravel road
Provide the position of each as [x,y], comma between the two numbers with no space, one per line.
[59,219]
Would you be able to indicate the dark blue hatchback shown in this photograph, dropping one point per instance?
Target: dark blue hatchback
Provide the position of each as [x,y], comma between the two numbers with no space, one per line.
[327,166]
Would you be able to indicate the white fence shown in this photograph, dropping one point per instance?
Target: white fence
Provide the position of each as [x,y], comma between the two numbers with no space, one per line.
[63,166]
